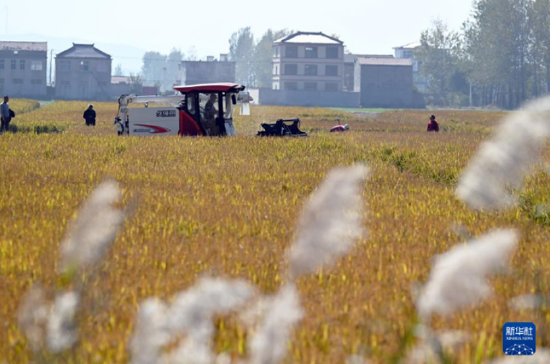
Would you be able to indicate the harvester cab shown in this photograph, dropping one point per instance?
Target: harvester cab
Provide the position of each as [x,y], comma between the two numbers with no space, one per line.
[205,109]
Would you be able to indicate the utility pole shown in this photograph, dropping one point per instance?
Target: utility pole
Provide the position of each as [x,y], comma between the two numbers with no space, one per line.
[51,63]
[471,95]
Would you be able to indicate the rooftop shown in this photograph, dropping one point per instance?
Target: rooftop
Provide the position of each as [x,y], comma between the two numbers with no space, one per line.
[384,61]
[83,51]
[120,79]
[350,58]
[24,46]
[310,37]
[410,46]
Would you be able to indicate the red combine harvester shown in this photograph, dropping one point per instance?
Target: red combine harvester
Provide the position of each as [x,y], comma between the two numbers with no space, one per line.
[205,109]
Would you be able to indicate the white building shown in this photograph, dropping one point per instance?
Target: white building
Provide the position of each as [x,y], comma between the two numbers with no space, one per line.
[408,51]
[306,61]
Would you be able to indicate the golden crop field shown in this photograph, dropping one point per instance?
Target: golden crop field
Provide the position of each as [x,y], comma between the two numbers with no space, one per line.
[228,207]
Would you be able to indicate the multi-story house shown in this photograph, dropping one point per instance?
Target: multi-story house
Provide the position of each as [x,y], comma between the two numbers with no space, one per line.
[408,52]
[83,72]
[23,69]
[306,61]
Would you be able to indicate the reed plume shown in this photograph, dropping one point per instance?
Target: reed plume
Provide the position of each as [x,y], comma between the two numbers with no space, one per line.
[502,162]
[93,230]
[459,276]
[331,221]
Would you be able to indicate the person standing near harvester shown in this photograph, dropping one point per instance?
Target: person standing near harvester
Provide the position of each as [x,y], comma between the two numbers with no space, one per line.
[89,115]
[433,125]
[5,115]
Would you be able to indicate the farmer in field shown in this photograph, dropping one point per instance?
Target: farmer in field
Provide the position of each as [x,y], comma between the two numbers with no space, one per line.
[339,128]
[433,125]
[89,116]
[5,114]
[210,113]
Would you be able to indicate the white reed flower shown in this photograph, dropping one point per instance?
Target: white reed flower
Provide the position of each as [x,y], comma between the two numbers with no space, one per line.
[32,317]
[502,162]
[269,344]
[542,356]
[94,229]
[61,328]
[459,276]
[195,307]
[435,344]
[192,313]
[191,351]
[150,333]
[331,221]
[357,359]
[527,302]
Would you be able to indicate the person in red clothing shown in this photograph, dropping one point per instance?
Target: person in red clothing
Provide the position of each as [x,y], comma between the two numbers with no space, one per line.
[433,125]
[339,128]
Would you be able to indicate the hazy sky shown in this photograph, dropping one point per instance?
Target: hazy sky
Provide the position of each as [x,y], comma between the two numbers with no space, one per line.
[366,26]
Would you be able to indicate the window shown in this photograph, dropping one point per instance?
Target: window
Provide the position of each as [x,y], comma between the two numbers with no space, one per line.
[36,82]
[332,52]
[310,86]
[291,51]
[311,52]
[17,81]
[84,66]
[276,52]
[36,66]
[13,64]
[331,70]
[407,54]
[65,83]
[331,86]
[1,64]
[65,66]
[311,70]
[22,64]
[291,69]
[291,86]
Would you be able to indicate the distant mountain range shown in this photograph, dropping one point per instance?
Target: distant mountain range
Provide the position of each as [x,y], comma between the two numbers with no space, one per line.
[128,56]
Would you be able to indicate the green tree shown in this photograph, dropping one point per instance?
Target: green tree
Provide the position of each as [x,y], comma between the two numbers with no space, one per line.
[153,69]
[263,57]
[173,69]
[118,70]
[539,22]
[241,51]
[136,83]
[437,53]
[497,42]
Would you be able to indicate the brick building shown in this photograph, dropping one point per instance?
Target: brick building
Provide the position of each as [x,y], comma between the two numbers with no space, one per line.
[306,61]
[23,69]
[83,72]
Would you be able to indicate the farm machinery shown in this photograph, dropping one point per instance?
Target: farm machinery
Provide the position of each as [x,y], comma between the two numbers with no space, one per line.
[205,109]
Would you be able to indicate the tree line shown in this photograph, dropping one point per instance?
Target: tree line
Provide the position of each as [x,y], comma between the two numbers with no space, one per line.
[500,57]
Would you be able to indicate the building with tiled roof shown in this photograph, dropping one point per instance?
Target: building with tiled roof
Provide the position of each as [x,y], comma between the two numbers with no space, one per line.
[308,61]
[83,72]
[23,69]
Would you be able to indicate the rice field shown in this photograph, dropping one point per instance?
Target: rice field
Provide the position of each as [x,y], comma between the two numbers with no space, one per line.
[228,207]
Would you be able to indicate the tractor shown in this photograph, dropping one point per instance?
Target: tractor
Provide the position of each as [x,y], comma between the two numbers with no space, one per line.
[205,109]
